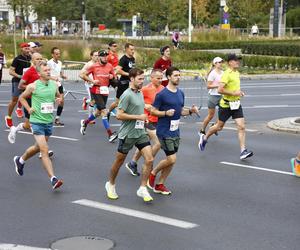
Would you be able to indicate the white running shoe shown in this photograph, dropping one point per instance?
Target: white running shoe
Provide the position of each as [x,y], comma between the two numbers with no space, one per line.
[111,191]
[12,135]
[143,193]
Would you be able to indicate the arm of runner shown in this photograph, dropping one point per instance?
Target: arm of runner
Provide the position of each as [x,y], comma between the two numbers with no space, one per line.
[22,84]
[121,72]
[59,97]
[223,91]
[27,93]
[62,75]
[148,107]
[13,73]
[84,76]
[189,110]
[121,115]
[159,113]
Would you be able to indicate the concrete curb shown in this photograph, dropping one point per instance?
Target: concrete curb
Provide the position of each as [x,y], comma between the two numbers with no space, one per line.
[285,125]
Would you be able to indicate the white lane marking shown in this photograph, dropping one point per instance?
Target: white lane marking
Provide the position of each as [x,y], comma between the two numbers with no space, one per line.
[271,86]
[115,125]
[3,105]
[19,247]
[257,168]
[271,106]
[268,83]
[52,136]
[274,95]
[136,213]
[231,128]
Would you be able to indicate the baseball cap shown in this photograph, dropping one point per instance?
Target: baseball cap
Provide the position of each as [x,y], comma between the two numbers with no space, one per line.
[233,57]
[38,44]
[24,45]
[217,60]
[102,53]
[32,45]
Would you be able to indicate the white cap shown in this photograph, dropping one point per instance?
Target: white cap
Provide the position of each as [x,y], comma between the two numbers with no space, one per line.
[217,60]
[32,45]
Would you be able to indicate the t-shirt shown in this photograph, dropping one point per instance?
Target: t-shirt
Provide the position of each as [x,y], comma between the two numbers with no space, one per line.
[20,63]
[168,126]
[132,103]
[113,59]
[43,98]
[214,77]
[55,67]
[163,65]
[30,76]
[231,79]
[101,73]
[2,60]
[149,91]
[127,63]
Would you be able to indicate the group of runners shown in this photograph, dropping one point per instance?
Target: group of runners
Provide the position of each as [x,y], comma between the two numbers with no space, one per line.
[150,114]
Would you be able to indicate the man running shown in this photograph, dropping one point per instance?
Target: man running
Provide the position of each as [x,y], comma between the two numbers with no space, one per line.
[230,106]
[126,63]
[102,72]
[164,63]
[168,106]
[56,73]
[17,69]
[112,57]
[132,133]
[2,62]
[149,92]
[43,93]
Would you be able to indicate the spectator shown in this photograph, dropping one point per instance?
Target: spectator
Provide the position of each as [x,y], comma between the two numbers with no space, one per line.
[254,30]
[2,62]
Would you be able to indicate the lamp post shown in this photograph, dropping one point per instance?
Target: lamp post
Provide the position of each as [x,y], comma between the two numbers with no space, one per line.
[276,18]
[83,19]
[190,21]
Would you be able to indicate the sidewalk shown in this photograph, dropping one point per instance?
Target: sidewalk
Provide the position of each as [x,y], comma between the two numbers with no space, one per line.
[289,124]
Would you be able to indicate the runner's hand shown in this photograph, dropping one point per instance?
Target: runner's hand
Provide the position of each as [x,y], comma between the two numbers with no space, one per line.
[58,101]
[143,117]
[170,112]
[31,110]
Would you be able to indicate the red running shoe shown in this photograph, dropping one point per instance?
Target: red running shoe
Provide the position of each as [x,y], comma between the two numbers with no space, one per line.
[19,113]
[8,122]
[151,181]
[161,189]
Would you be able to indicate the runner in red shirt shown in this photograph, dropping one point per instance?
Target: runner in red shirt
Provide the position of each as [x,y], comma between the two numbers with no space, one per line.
[164,63]
[149,92]
[102,72]
[112,57]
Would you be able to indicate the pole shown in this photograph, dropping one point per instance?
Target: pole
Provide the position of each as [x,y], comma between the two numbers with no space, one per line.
[190,21]
[15,42]
[276,18]
[83,20]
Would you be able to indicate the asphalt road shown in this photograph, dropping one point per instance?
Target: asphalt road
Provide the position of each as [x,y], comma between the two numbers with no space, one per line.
[252,205]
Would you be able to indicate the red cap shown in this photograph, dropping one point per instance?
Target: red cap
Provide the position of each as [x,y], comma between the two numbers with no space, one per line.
[24,45]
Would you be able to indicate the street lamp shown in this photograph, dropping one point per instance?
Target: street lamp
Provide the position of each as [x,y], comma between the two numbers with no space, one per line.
[83,19]
[190,21]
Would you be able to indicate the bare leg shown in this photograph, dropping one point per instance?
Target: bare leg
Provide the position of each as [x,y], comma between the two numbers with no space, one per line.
[208,118]
[12,104]
[240,123]
[119,160]
[148,163]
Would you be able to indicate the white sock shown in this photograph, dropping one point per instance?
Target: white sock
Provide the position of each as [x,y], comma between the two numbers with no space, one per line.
[21,160]
[53,177]
[20,126]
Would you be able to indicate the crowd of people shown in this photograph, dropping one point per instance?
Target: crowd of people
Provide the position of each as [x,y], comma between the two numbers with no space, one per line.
[150,114]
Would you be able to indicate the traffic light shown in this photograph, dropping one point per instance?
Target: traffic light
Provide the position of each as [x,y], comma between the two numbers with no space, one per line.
[284,6]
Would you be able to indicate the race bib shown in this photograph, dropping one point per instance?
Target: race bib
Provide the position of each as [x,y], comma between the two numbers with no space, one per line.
[174,125]
[234,105]
[47,107]
[139,124]
[104,90]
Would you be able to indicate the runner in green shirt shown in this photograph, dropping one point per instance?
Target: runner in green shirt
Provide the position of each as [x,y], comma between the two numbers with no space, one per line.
[43,93]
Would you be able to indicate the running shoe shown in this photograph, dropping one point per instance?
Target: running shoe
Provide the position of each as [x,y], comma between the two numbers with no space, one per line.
[50,154]
[56,183]
[19,167]
[151,181]
[113,137]
[57,122]
[143,193]
[19,113]
[8,121]
[246,154]
[161,189]
[82,127]
[295,167]
[84,103]
[202,142]
[111,191]
[132,168]
[12,134]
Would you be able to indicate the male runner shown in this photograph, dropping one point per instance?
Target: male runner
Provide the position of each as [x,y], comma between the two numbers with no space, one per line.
[132,132]
[56,74]
[43,93]
[112,57]
[230,106]
[149,92]
[164,63]
[168,106]
[17,69]
[102,72]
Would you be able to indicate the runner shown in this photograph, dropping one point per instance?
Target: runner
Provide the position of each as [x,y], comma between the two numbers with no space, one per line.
[112,57]
[149,92]
[17,69]
[126,63]
[164,63]
[2,62]
[132,133]
[230,106]
[43,92]
[102,72]
[168,107]
[56,74]
[175,39]
[213,80]
[295,163]
[88,102]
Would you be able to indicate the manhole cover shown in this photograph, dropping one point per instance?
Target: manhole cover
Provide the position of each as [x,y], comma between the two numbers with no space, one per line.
[83,242]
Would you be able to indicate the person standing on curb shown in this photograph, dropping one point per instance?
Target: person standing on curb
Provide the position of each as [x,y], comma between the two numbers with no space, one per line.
[295,164]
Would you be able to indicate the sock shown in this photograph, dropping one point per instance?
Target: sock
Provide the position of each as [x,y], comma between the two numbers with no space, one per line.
[20,126]
[133,163]
[242,150]
[59,110]
[19,105]
[105,122]
[298,160]
[21,160]
[114,111]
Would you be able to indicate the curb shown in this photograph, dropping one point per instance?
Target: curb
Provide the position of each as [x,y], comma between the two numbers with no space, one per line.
[285,125]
